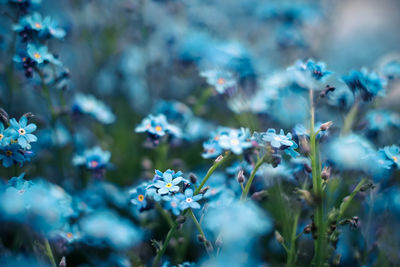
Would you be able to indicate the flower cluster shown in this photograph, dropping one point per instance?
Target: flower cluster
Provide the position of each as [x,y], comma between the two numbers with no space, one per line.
[88,104]
[157,126]
[15,141]
[227,139]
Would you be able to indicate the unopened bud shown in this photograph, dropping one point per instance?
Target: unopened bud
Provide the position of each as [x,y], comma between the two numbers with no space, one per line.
[209,246]
[201,238]
[336,259]
[240,177]
[204,190]
[326,173]
[325,126]
[220,157]
[327,89]
[307,229]
[306,195]
[308,168]
[193,178]
[28,115]
[279,237]
[260,195]
[63,263]
[219,242]
[4,116]
[276,160]
[180,219]
[367,187]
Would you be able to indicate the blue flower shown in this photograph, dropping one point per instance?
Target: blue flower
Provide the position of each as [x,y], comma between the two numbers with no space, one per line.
[169,181]
[53,30]
[106,227]
[93,159]
[379,119]
[211,149]
[22,132]
[316,70]
[392,69]
[11,155]
[88,104]
[5,137]
[138,197]
[235,140]
[40,54]
[367,84]
[393,154]
[223,81]
[280,141]
[172,203]
[189,200]
[157,126]
[19,184]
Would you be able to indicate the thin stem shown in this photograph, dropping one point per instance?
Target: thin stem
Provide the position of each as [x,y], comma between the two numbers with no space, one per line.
[49,253]
[200,229]
[173,228]
[317,188]
[345,204]
[349,120]
[250,181]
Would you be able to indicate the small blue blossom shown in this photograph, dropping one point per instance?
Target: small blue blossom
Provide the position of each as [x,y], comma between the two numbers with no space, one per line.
[22,132]
[172,203]
[280,141]
[11,155]
[169,181]
[316,70]
[393,154]
[93,159]
[40,54]
[189,200]
[378,120]
[222,81]
[392,69]
[157,126]
[367,84]
[5,137]
[235,141]
[138,197]
[211,149]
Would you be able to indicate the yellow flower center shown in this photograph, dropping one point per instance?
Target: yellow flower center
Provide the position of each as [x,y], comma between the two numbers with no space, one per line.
[168,185]
[36,55]
[38,25]
[211,150]
[277,138]
[158,128]
[235,142]
[394,158]
[221,81]
[94,164]
[1,136]
[140,198]
[13,141]
[21,131]
[69,235]
[9,153]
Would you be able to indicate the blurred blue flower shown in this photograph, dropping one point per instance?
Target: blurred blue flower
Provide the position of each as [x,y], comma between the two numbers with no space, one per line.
[392,69]
[93,159]
[157,126]
[172,203]
[88,104]
[11,155]
[367,84]
[280,141]
[235,140]
[106,228]
[40,54]
[393,154]
[222,81]
[138,196]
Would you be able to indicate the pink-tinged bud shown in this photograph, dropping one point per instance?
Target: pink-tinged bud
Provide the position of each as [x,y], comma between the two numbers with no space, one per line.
[325,126]
[220,157]
[240,177]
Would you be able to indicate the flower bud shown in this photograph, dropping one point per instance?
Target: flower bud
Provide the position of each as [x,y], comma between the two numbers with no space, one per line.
[219,242]
[204,190]
[201,238]
[63,263]
[240,177]
[193,178]
[220,157]
[180,219]
[279,237]
[260,195]
[326,173]
[325,126]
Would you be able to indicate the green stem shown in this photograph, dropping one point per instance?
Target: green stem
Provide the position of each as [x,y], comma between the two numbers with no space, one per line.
[203,98]
[162,156]
[349,120]
[250,181]
[173,228]
[317,188]
[49,253]
[345,204]
[199,228]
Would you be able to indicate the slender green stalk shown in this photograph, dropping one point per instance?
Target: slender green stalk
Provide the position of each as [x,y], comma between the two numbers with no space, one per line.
[291,259]
[49,253]
[317,188]
[349,120]
[172,230]
[199,228]
[203,99]
[346,203]
[250,181]
[162,156]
